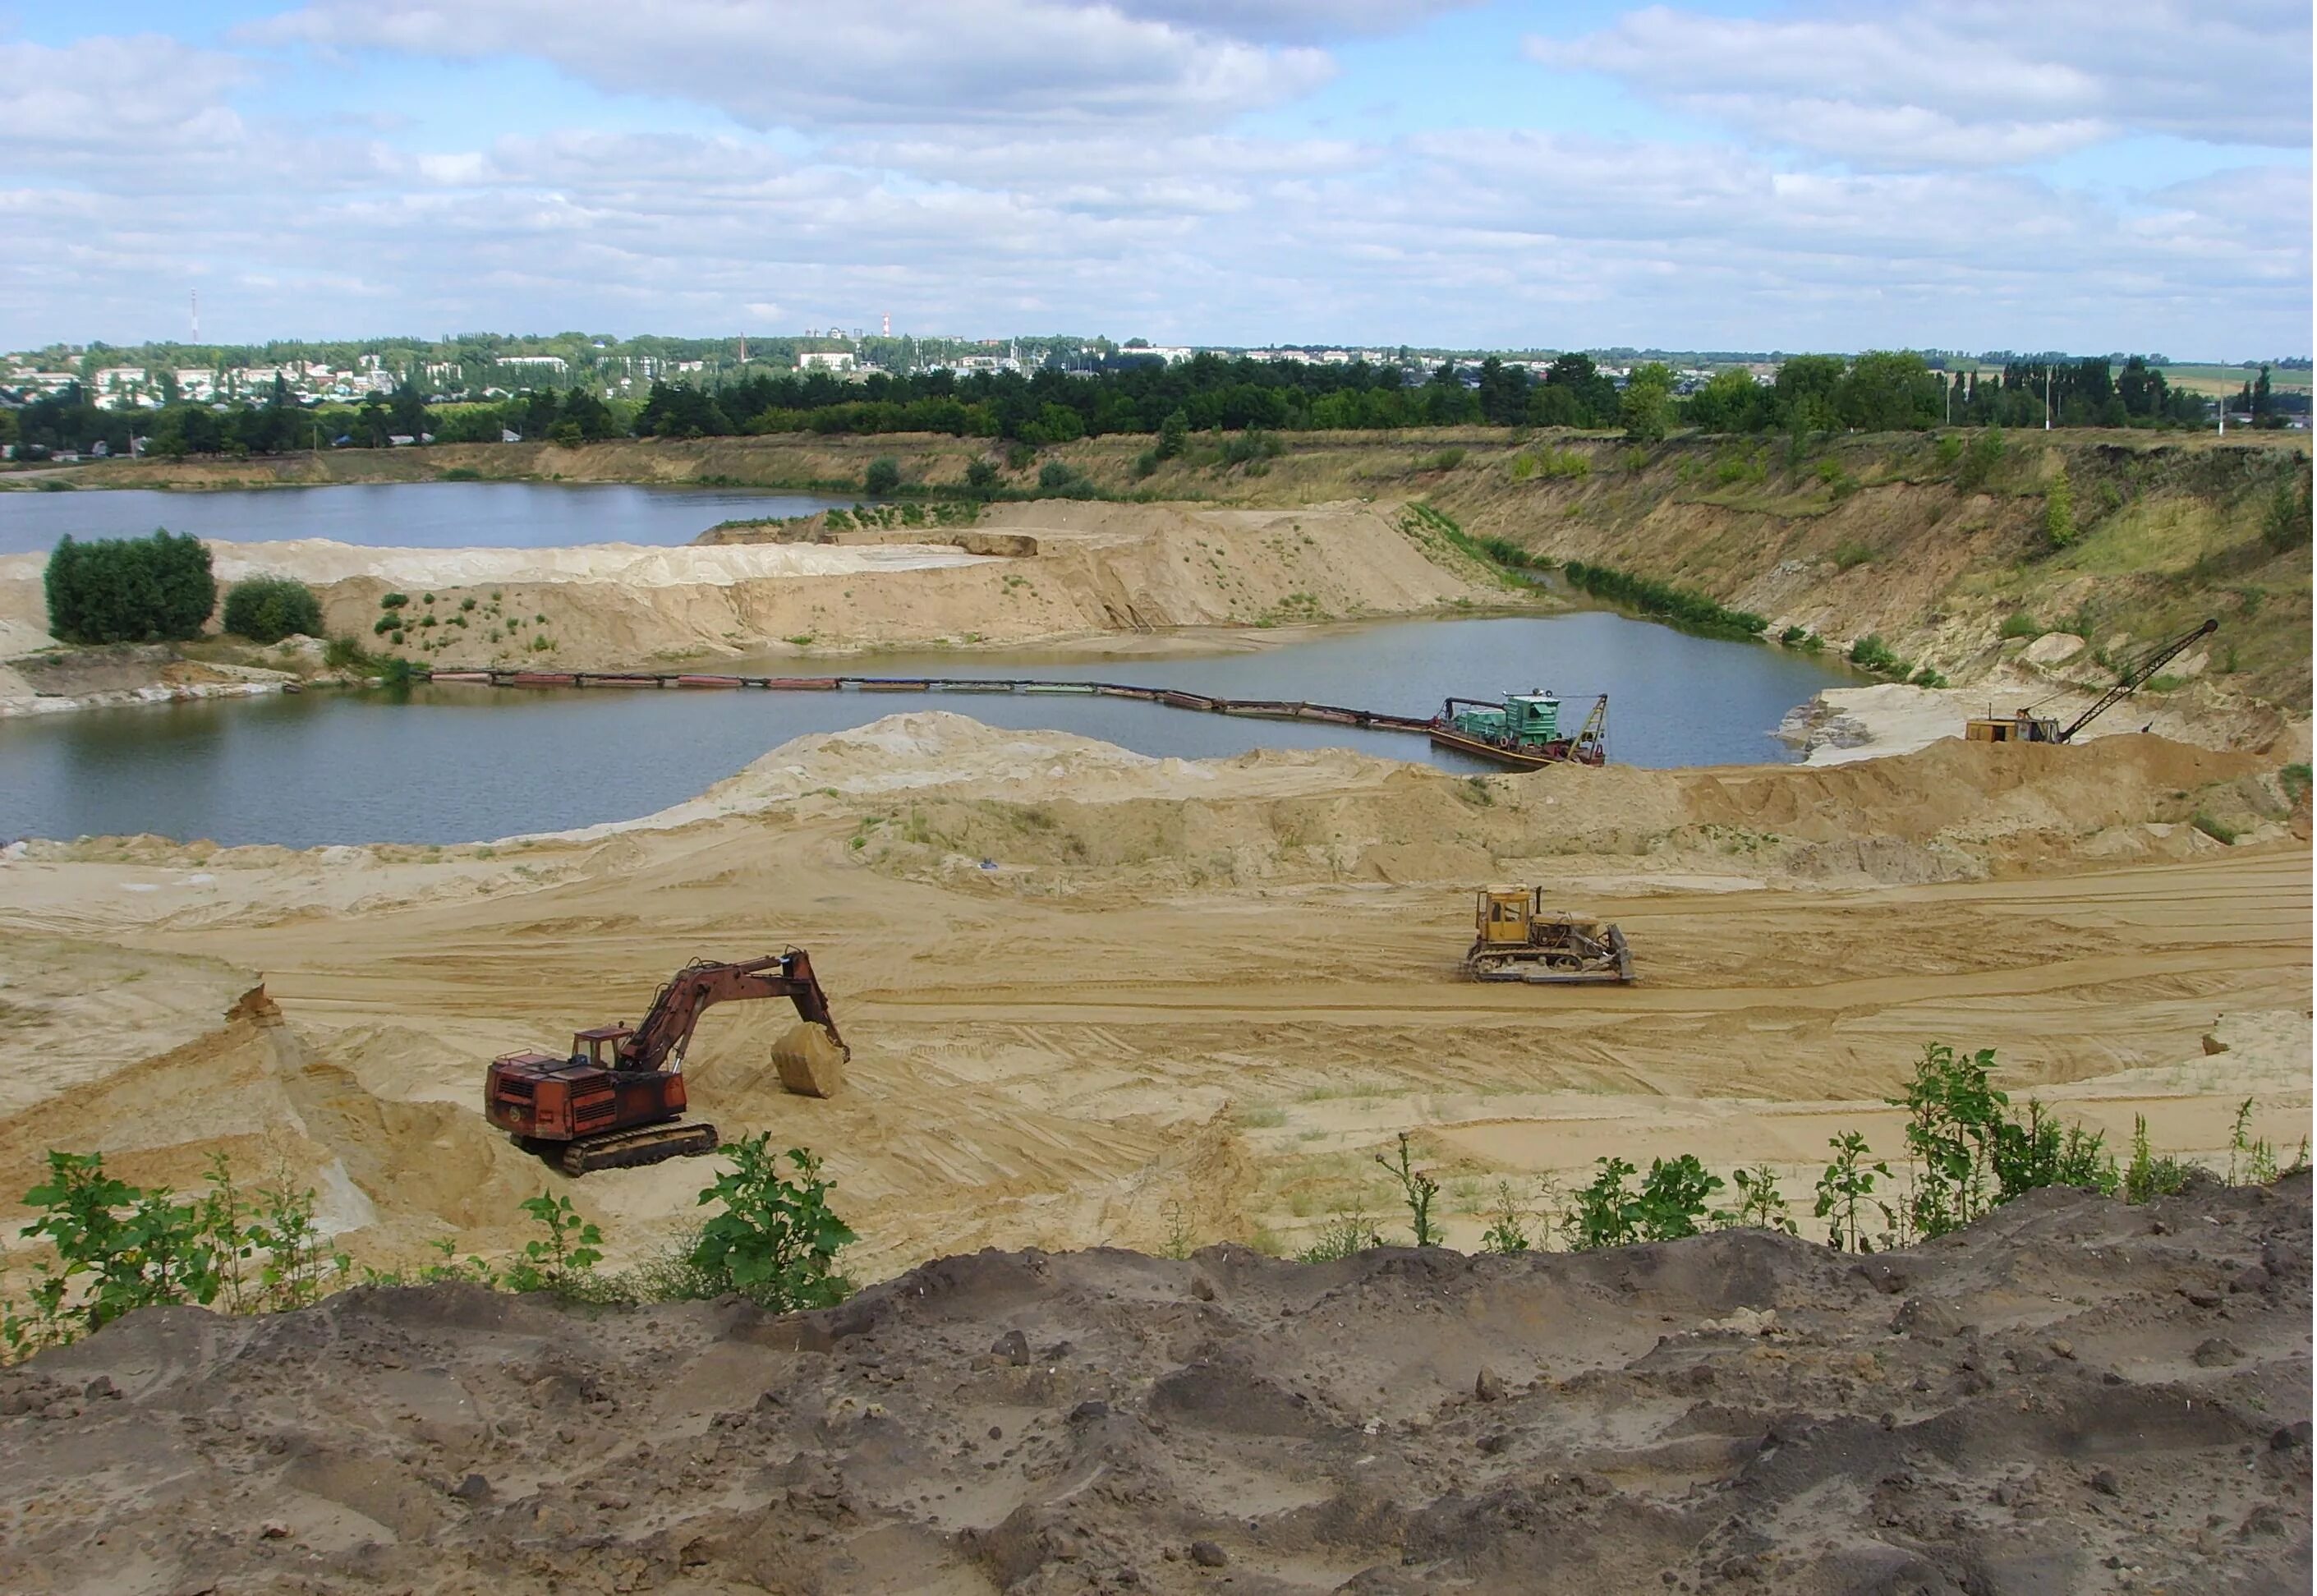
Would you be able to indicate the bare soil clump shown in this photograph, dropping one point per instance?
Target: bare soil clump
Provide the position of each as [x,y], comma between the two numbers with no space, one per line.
[2072,1396]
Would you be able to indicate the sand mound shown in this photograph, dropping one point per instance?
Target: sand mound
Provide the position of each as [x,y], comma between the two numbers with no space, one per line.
[1740,1410]
[934,750]
[1948,812]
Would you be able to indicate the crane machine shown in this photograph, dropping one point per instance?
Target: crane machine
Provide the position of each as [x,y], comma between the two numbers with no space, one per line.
[618,1099]
[2026,726]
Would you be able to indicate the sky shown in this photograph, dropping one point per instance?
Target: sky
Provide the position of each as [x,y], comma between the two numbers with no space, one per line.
[2092,175]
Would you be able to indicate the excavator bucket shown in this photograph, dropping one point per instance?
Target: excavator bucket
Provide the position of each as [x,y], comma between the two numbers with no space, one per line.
[811,1060]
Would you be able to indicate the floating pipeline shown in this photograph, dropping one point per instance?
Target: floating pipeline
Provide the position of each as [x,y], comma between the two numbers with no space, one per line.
[1590,747]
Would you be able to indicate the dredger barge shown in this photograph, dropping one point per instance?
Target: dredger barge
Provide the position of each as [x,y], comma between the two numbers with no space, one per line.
[1524,732]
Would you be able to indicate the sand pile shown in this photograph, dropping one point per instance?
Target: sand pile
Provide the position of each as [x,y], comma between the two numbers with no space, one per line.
[1949,811]
[2072,1396]
[927,751]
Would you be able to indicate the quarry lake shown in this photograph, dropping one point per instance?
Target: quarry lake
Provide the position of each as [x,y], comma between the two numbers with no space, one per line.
[460,764]
[404,515]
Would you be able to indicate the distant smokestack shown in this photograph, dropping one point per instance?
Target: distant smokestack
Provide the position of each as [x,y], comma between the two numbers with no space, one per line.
[888,324]
[197,316]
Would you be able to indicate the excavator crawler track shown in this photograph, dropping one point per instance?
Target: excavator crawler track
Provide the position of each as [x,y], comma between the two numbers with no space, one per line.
[630,1149]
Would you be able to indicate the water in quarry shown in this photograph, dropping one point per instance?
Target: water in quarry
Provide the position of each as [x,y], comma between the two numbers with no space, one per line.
[460,763]
[399,515]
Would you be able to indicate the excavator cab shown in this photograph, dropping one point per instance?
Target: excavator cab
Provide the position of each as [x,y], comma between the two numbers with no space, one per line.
[601,1046]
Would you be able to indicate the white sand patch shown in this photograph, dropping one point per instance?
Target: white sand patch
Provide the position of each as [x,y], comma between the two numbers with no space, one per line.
[630,565]
[322,560]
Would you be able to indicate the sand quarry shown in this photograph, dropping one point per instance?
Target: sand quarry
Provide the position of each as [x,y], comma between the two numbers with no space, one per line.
[1100,1000]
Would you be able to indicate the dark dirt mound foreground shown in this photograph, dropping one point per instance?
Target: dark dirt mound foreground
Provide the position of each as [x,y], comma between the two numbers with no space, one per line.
[2075,1395]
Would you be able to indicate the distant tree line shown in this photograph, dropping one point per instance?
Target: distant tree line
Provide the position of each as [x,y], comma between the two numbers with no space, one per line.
[1876,391]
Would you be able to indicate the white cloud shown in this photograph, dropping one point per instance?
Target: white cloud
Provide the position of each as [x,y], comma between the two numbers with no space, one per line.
[1965,83]
[116,93]
[1044,211]
[794,63]
[1299,21]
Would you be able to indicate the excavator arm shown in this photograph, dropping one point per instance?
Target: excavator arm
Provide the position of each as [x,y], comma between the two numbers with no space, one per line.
[2135,679]
[700,985]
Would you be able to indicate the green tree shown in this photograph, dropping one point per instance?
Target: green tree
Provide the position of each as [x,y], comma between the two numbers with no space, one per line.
[119,1248]
[1731,401]
[2285,524]
[776,1240]
[1646,409]
[1846,1191]
[1605,1214]
[1804,392]
[147,590]
[1174,434]
[883,475]
[1887,390]
[267,609]
[1954,1118]
[1674,1198]
[2060,512]
[406,413]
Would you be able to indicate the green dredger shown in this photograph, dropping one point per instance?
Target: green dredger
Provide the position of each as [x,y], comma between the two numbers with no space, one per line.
[1524,730]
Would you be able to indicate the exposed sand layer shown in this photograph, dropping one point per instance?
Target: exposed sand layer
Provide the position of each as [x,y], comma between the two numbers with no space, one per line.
[1096,998]
[320,562]
[2073,1395]
[104,679]
[1067,570]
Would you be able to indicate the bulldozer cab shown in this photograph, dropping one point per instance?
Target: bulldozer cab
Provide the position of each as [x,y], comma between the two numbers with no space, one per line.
[1502,915]
[600,1046]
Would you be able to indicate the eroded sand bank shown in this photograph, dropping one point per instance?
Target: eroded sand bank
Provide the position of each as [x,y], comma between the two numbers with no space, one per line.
[1067,570]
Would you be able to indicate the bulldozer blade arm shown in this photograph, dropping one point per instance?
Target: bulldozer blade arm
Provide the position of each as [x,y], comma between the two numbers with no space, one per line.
[810,1060]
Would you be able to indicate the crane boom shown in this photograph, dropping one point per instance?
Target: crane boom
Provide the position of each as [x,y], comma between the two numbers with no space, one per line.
[2136,677]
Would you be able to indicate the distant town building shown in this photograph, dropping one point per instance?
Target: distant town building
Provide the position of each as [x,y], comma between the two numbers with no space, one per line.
[826,360]
[536,362]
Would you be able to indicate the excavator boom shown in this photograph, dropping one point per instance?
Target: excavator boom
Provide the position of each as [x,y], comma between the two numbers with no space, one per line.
[698,986]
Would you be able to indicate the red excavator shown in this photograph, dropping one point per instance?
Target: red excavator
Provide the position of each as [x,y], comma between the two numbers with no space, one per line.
[619,1101]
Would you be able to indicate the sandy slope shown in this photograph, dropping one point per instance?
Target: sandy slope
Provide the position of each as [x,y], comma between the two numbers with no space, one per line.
[2073,1396]
[1193,993]
[1069,570]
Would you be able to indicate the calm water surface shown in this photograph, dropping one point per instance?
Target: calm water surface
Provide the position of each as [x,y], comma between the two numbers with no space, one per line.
[458,764]
[408,515]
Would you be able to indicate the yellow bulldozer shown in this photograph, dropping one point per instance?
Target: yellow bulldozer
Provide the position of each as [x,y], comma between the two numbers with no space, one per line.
[1515,937]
